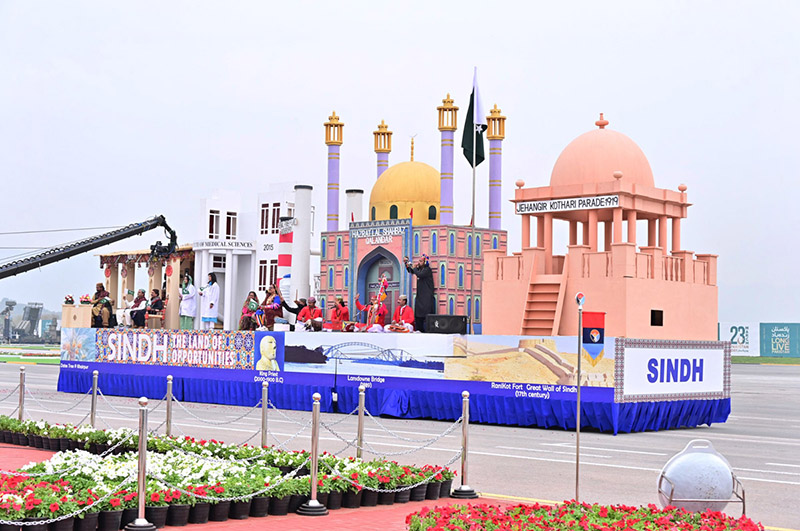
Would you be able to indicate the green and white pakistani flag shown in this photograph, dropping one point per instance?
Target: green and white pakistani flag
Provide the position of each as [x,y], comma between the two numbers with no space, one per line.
[474,126]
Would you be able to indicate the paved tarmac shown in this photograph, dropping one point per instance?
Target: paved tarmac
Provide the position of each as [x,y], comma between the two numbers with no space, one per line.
[761,440]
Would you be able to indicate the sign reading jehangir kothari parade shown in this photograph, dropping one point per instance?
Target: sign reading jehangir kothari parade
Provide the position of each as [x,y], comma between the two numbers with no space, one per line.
[567,204]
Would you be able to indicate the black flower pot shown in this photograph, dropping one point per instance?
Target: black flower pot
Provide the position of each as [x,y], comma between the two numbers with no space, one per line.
[73,444]
[6,436]
[37,441]
[198,514]
[9,527]
[285,469]
[128,515]
[62,525]
[418,492]
[109,520]
[23,439]
[178,515]
[219,511]
[279,506]
[14,438]
[369,498]
[304,471]
[65,444]
[403,496]
[38,527]
[157,515]
[386,498]
[259,506]
[101,448]
[93,448]
[445,488]
[239,510]
[87,523]
[334,501]
[295,501]
[351,499]
[432,492]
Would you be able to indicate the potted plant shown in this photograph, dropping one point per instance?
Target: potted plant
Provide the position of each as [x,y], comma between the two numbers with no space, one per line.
[198,513]
[218,512]
[69,300]
[156,505]
[447,482]
[235,487]
[179,506]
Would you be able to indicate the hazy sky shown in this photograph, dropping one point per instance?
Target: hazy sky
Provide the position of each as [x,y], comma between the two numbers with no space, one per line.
[113,112]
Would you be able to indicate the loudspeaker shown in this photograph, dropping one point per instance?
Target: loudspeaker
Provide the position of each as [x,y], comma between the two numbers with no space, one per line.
[446,324]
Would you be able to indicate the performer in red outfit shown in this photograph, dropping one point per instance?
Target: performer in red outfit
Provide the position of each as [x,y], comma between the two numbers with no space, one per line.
[403,314]
[376,311]
[311,315]
[339,314]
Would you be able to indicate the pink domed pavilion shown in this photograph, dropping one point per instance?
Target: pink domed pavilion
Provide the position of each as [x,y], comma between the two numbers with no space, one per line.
[652,291]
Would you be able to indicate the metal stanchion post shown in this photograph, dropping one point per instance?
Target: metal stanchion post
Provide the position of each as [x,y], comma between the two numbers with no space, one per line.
[93,414]
[21,408]
[313,507]
[141,523]
[464,491]
[264,412]
[579,298]
[169,406]
[360,440]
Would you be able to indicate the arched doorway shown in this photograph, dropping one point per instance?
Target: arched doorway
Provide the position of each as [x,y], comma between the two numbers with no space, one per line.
[375,264]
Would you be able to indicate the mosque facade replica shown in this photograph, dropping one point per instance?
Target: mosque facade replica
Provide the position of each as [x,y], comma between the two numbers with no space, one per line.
[410,213]
[654,291]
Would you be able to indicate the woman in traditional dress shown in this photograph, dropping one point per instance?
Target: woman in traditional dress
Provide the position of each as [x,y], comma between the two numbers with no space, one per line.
[271,307]
[248,321]
[188,307]
[210,296]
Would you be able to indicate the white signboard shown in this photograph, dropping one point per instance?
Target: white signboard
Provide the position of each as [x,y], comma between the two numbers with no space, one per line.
[672,370]
[744,337]
[223,244]
[566,204]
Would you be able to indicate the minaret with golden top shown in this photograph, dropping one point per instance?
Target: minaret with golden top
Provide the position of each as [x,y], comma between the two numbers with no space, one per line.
[448,116]
[496,132]
[383,146]
[333,138]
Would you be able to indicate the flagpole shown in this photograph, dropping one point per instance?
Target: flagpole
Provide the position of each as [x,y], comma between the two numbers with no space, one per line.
[471,304]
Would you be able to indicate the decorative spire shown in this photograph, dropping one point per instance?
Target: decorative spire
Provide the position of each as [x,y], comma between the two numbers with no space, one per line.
[602,122]
[333,130]
[496,123]
[448,115]
[383,138]
[412,149]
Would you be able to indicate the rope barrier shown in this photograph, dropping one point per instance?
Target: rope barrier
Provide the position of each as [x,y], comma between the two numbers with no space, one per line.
[215,423]
[79,402]
[9,395]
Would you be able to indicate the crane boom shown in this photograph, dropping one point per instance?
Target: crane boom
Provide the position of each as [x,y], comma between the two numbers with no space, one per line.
[62,252]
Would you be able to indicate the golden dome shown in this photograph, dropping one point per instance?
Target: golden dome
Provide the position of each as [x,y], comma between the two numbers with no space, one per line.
[406,186]
[595,157]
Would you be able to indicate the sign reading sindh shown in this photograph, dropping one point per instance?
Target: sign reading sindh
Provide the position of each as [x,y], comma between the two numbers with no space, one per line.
[567,204]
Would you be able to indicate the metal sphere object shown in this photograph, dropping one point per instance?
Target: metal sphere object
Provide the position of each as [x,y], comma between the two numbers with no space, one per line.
[694,475]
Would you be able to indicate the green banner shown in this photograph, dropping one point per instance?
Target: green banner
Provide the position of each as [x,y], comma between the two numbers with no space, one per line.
[780,340]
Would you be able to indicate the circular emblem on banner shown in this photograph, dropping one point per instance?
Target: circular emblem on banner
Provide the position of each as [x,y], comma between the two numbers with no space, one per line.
[124,272]
[107,272]
[594,335]
[169,270]
[151,271]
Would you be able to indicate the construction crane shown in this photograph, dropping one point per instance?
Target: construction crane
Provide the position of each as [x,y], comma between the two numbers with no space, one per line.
[62,252]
